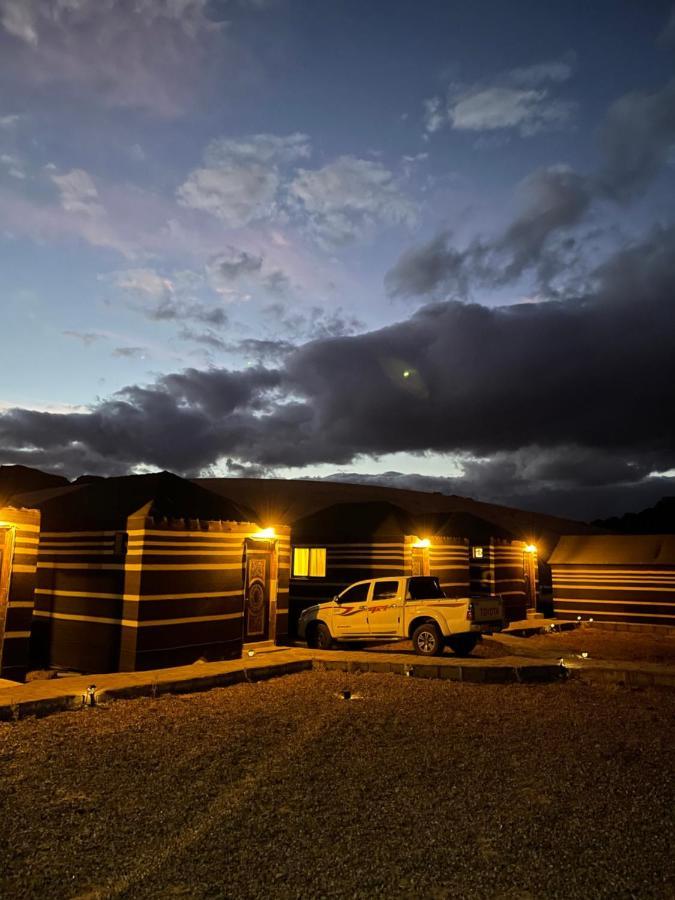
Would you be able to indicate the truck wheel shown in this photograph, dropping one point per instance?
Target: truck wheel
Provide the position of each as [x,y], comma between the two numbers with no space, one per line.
[319,638]
[427,640]
[462,644]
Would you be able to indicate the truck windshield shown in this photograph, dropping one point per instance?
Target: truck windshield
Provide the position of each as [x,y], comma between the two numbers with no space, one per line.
[423,587]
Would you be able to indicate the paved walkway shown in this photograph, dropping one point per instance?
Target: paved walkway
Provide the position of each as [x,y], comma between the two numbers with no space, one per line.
[55,695]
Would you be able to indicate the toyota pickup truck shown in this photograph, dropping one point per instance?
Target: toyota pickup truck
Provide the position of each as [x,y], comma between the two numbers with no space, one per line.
[401,608]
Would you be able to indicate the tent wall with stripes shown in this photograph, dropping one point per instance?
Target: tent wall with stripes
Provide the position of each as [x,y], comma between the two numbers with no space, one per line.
[19,535]
[149,571]
[348,542]
[627,578]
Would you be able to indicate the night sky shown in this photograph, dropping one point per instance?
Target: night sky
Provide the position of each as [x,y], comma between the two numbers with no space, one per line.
[430,244]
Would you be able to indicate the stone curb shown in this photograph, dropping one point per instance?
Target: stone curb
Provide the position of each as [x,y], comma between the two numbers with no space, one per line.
[470,674]
[15,708]
[131,685]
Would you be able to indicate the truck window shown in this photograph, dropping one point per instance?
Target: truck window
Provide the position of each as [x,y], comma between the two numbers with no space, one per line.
[424,587]
[385,590]
[356,594]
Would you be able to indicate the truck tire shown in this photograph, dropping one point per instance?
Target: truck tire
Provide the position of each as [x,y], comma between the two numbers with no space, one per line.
[427,640]
[462,644]
[319,637]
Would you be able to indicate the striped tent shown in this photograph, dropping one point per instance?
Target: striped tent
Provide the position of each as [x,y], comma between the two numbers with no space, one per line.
[628,578]
[19,536]
[146,571]
[348,542]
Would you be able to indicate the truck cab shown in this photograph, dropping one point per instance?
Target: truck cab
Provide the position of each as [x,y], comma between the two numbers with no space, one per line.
[397,608]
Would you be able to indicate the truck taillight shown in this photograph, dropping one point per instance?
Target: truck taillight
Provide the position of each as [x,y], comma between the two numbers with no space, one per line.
[469,610]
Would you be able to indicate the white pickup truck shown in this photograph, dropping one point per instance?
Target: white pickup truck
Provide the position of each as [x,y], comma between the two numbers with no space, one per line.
[401,608]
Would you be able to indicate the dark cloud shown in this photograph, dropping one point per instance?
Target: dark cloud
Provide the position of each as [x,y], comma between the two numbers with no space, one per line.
[277,282]
[207,338]
[667,36]
[570,500]
[176,310]
[636,138]
[181,422]
[238,273]
[130,352]
[234,263]
[262,350]
[553,201]
[313,323]
[539,400]
[244,470]
[433,266]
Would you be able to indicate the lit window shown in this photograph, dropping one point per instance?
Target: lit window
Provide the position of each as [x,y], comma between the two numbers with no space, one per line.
[477,552]
[309,562]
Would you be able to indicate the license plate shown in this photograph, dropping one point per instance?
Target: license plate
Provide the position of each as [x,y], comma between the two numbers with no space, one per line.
[485,611]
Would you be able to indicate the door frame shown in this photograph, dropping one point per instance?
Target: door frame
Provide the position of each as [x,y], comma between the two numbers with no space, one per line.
[269,548]
[530,578]
[5,581]
[420,554]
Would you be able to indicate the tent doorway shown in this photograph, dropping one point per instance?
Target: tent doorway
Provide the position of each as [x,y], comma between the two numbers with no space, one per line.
[258,581]
[420,561]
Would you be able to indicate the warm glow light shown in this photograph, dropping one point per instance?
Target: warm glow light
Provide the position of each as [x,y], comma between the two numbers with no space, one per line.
[531,548]
[424,542]
[407,373]
[265,533]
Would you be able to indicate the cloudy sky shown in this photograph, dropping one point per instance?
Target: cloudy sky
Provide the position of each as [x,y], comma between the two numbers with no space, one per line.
[429,243]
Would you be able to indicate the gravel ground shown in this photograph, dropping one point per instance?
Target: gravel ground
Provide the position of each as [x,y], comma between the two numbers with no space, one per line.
[417,788]
[487,648]
[599,644]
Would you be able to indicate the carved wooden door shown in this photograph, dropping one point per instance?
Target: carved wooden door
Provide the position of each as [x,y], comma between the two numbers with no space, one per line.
[257,595]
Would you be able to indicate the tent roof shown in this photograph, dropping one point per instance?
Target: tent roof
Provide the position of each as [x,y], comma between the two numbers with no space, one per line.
[615,549]
[280,501]
[353,522]
[21,479]
[106,503]
[461,524]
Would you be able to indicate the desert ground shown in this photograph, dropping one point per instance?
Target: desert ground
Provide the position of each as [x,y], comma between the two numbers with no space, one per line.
[413,788]
[598,643]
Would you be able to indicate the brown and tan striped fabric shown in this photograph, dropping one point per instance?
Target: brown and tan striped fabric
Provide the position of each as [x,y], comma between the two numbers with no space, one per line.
[126,582]
[19,535]
[370,540]
[615,578]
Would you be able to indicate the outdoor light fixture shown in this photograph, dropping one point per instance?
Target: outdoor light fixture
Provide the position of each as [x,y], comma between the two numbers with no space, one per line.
[423,542]
[89,697]
[531,548]
[264,533]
